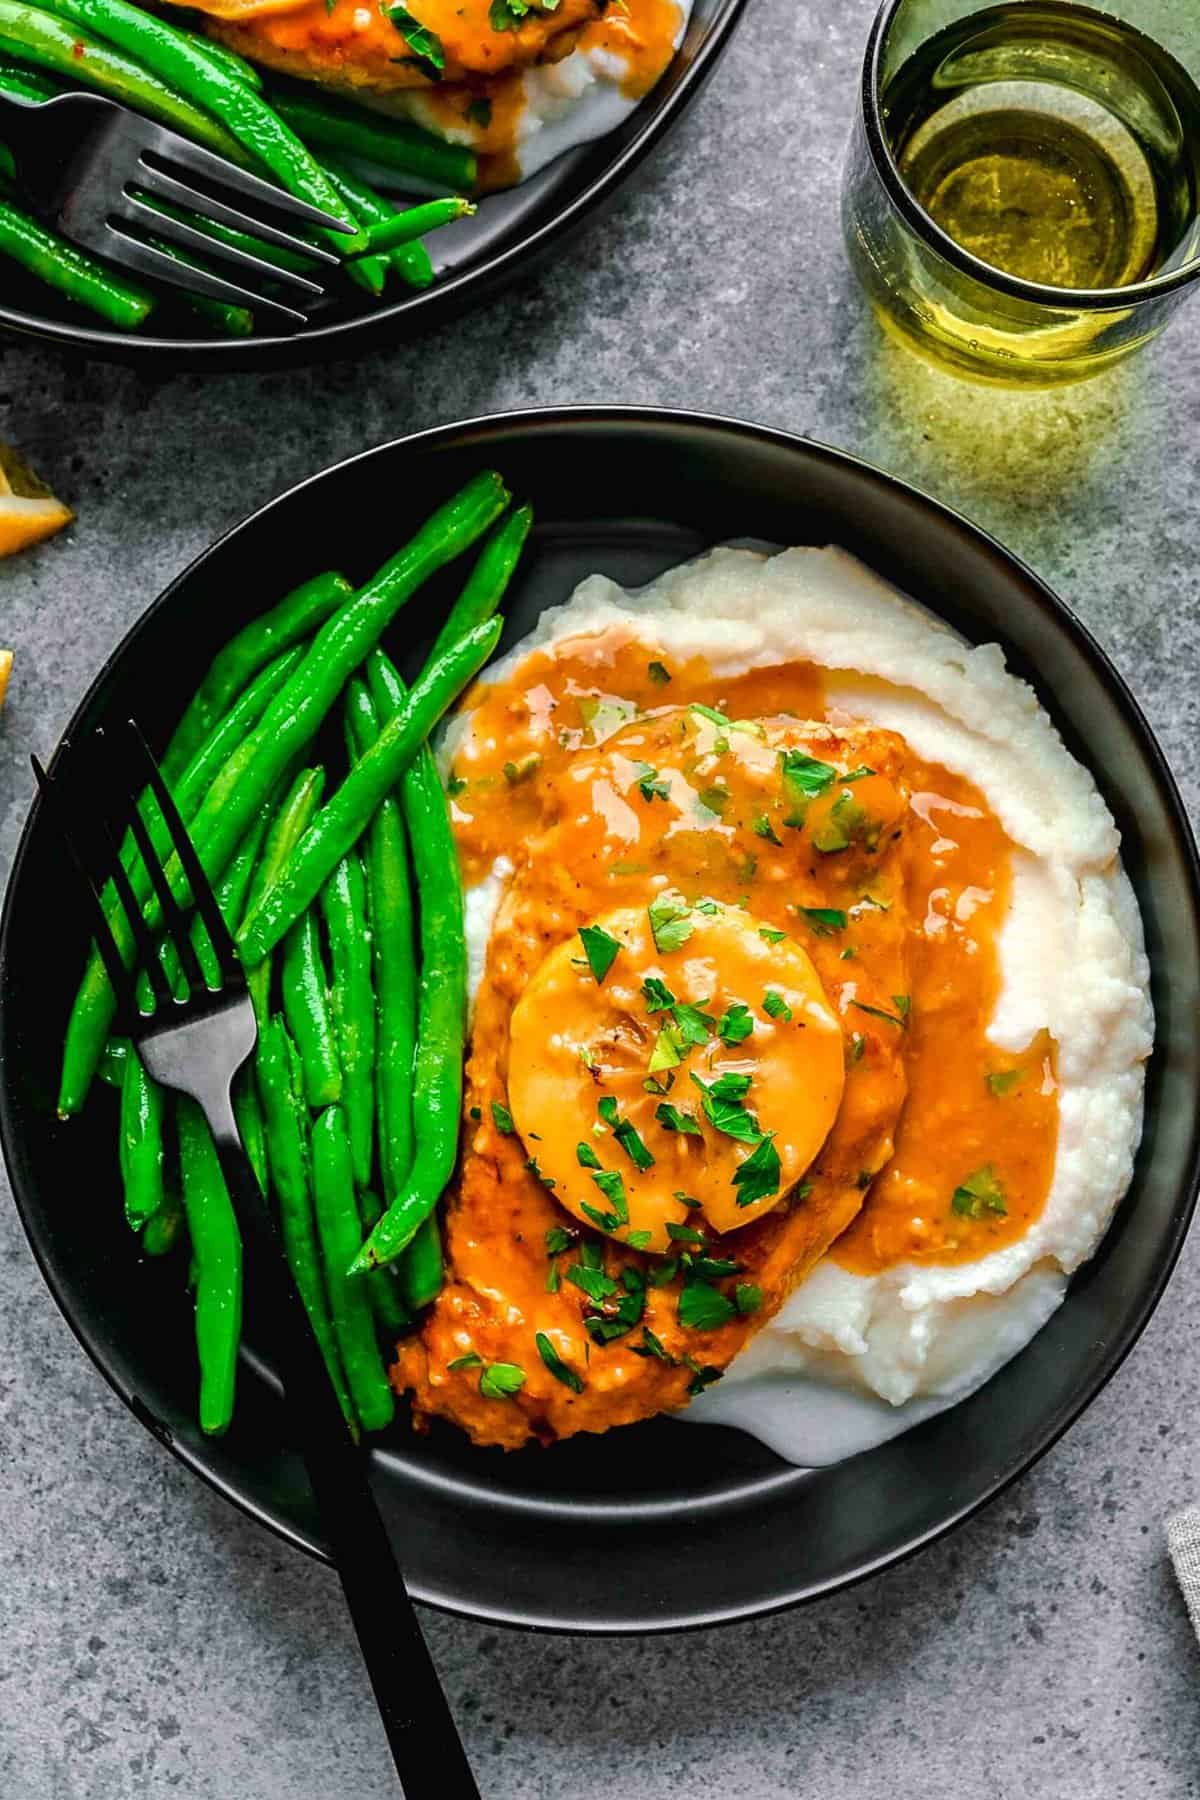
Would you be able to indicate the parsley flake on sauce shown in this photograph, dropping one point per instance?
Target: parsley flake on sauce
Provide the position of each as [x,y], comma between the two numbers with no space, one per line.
[804,775]
[502,1119]
[877,1012]
[428,54]
[657,995]
[775,1006]
[704,1308]
[557,1367]
[600,948]
[980,1193]
[737,1023]
[760,1174]
[472,1360]
[672,1119]
[762,827]
[724,1110]
[685,1234]
[823,921]
[1003,1081]
[770,936]
[586,1157]
[670,923]
[747,1297]
[710,713]
[501,1380]
[667,1052]
[658,673]
[651,786]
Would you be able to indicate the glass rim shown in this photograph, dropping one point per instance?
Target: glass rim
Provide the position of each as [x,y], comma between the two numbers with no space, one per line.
[1058,299]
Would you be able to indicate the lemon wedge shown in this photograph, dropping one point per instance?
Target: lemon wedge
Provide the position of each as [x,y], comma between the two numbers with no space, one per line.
[6,661]
[29,512]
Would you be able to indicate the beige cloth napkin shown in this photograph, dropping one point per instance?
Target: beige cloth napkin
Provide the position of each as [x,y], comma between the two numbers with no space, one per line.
[1183,1542]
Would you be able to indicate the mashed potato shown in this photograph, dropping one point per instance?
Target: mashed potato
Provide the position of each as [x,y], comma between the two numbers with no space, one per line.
[852,1358]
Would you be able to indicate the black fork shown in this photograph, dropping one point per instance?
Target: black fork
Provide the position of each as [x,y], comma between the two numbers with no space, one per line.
[196,1045]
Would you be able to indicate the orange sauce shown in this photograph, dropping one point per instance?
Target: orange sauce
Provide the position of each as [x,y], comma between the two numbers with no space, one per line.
[902,932]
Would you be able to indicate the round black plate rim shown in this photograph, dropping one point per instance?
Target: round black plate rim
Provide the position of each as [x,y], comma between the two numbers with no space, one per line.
[421,311]
[474,434]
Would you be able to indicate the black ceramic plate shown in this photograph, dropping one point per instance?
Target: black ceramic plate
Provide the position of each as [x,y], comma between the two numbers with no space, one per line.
[657,1526]
[508,236]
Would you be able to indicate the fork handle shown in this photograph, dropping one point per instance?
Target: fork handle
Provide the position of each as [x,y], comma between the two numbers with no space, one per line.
[425,1745]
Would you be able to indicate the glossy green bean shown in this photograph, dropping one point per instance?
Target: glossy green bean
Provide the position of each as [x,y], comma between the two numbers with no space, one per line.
[141,1143]
[92,1012]
[230,60]
[161,1233]
[391,1315]
[183,62]
[410,261]
[43,36]
[239,240]
[231,320]
[296,617]
[330,124]
[352,997]
[485,586]
[60,265]
[340,1232]
[112,1062]
[420,1270]
[217,1265]
[287,1159]
[248,1114]
[304,986]
[414,222]
[368,272]
[393,950]
[347,814]
[288,826]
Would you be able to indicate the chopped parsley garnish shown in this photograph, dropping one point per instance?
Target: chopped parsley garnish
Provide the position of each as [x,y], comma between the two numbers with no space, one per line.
[631,1143]
[877,1012]
[760,1174]
[775,1006]
[823,920]
[637,1240]
[428,54]
[500,1381]
[848,953]
[804,778]
[516,772]
[479,112]
[687,1200]
[714,800]
[472,1360]
[848,823]
[502,1119]
[762,827]
[903,1004]
[603,716]
[666,1053]
[685,1234]
[613,1188]
[557,1367]
[456,785]
[736,1024]
[558,1239]
[593,1282]
[672,1119]
[714,1268]
[600,948]
[607,1108]
[1003,1081]
[651,786]
[724,1110]
[664,1272]
[980,1193]
[710,713]
[770,936]
[858,1044]
[531,1163]
[701,1377]
[707,906]
[586,1157]
[657,995]
[670,923]
[652,1346]
[704,1308]
[693,1024]
[747,1297]
[658,673]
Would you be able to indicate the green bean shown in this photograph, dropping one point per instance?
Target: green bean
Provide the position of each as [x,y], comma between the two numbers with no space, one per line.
[419,1270]
[44,38]
[389,899]
[410,261]
[481,593]
[287,1159]
[239,240]
[297,712]
[230,60]
[370,271]
[112,1062]
[406,149]
[343,818]
[349,1301]
[288,725]
[390,1313]
[248,1114]
[62,266]
[415,221]
[288,826]
[92,1012]
[230,894]
[305,989]
[27,84]
[8,168]
[441,1015]
[344,904]
[286,624]
[161,1233]
[217,1262]
[141,1143]
[234,321]
[185,64]
[442,1001]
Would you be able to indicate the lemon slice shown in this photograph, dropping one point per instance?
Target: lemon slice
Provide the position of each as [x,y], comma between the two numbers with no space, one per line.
[6,662]
[28,510]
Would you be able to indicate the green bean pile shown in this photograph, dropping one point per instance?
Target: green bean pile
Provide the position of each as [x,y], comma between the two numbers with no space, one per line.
[348,913]
[209,94]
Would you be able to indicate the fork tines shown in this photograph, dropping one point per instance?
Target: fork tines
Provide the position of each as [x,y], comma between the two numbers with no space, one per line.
[93,829]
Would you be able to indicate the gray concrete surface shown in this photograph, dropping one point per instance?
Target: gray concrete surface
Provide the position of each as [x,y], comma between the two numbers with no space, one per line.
[152,1641]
